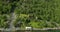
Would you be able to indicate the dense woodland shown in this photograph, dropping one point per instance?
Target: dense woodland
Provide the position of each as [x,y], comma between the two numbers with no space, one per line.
[34,13]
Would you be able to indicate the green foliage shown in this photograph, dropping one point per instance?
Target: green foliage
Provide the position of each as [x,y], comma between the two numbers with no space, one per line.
[3,21]
[35,13]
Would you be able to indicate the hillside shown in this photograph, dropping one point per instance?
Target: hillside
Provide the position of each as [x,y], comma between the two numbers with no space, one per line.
[35,13]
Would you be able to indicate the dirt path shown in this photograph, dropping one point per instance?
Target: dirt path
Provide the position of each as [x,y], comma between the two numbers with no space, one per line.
[12,21]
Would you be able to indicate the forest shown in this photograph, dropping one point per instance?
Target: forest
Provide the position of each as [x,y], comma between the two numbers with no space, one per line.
[34,13]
